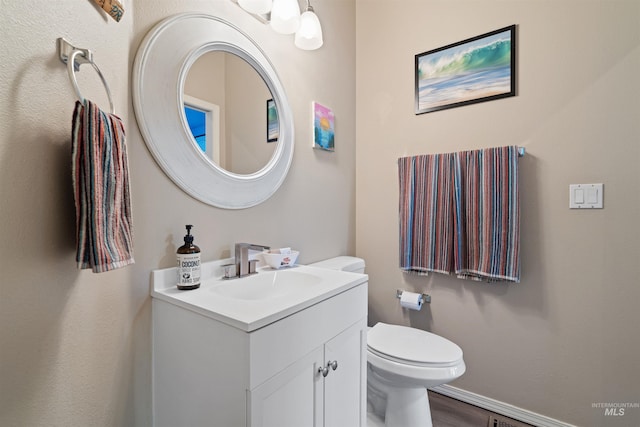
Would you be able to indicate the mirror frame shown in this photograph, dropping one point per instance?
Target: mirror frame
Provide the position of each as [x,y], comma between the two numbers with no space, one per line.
[159,72]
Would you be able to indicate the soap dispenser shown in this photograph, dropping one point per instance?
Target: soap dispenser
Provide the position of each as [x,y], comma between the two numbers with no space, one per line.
[188,263]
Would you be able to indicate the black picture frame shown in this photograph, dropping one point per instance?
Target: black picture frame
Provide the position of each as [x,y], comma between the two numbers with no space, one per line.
[273,125]
[478,69]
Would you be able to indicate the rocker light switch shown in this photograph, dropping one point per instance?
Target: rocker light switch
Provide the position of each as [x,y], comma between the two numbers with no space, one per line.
[578,196]
[585,196]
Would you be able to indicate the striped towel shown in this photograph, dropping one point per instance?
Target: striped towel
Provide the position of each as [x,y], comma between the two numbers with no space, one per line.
[101,189]
[459,214]
[426,213]
[487,213]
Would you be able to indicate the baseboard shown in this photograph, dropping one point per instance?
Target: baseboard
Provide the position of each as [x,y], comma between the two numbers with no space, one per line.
[499,407]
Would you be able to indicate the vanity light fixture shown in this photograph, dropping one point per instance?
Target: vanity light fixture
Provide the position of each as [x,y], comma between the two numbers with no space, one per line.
[257,7]
[309,34]
[284,17]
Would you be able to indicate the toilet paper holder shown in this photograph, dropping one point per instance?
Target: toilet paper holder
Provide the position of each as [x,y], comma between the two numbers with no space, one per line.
[426,298]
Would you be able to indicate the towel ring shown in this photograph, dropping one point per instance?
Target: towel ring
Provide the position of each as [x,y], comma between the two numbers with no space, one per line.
[72,75]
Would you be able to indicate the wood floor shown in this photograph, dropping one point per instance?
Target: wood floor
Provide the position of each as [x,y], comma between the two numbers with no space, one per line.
[448,412]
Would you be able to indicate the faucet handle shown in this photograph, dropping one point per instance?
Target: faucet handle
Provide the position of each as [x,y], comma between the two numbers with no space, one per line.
[230,271]
[252,265]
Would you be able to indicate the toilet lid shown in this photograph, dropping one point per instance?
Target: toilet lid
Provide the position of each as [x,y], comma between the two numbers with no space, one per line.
[413,345]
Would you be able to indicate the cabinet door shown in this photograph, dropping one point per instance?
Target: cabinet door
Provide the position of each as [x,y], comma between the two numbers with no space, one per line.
[345,388]
[292,398]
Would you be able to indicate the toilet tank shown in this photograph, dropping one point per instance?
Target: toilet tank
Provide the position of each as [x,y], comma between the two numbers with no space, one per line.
[344,263]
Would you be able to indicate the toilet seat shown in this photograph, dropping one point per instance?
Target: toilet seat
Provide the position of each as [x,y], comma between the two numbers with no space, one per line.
[405,345]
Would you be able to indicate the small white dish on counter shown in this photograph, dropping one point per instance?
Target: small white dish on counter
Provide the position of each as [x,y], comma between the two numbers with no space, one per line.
[276,259]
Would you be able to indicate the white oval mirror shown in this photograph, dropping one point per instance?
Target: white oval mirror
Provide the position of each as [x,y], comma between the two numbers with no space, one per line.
[160,70]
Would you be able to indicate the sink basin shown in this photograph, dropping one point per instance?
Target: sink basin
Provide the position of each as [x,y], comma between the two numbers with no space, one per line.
[266,285]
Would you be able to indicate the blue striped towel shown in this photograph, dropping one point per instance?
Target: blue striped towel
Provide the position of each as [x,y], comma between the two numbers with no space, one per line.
[101,189]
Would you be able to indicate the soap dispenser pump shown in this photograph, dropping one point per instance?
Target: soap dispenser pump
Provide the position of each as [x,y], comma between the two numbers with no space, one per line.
[188,263]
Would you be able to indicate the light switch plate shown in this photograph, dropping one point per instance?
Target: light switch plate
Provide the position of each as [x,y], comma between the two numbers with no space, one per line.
[586,196]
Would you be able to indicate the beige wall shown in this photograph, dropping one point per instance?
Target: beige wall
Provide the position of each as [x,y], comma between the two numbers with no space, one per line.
[567,335]
[74,346]
[246,118]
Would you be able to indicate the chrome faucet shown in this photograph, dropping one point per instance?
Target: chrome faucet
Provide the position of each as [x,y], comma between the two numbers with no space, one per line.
[243,266]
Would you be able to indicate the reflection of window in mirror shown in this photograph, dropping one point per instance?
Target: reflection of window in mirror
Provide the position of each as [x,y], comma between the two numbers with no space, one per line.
[204,121]
[197,120]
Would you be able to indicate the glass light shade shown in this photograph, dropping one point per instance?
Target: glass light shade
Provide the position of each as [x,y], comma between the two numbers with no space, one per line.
[309,35]
[258,7]
[285,16]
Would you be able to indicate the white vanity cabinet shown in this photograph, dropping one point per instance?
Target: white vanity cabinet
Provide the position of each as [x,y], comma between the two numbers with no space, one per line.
[207,372]
[301,395]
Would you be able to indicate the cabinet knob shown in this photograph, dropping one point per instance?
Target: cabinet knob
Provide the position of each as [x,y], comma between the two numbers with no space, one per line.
[323,371]
[331,364]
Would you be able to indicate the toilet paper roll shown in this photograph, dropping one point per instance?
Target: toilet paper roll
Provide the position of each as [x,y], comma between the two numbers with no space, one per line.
[411,300]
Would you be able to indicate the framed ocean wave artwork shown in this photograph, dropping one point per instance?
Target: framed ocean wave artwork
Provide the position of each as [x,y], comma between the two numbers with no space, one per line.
[479,69]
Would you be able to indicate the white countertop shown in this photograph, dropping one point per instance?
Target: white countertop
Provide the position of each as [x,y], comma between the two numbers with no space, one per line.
[212,299]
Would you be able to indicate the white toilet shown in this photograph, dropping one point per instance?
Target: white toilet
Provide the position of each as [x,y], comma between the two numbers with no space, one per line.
[402,363]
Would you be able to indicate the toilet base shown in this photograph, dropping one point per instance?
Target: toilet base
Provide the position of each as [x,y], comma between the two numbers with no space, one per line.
[408,407]
[392,406]
[374,421]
